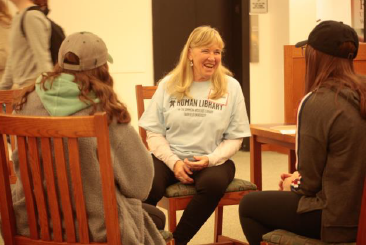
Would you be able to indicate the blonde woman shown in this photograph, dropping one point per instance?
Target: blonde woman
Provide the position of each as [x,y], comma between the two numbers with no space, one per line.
[195,122]
[5,21]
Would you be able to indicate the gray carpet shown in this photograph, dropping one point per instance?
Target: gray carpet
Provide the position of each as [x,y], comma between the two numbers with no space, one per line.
[273,165]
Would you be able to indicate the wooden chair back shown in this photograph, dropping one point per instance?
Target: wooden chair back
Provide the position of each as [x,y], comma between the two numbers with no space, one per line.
[361,233]
[143,93]
[47,138]
[6,106]
[294,79]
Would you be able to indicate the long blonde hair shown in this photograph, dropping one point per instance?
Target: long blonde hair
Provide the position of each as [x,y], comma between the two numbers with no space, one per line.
[181,77]
[5,16]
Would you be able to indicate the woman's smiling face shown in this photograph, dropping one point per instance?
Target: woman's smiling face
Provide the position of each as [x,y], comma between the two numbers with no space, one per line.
[205,60]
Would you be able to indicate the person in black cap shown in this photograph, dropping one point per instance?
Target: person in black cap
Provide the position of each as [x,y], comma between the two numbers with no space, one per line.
[322,199]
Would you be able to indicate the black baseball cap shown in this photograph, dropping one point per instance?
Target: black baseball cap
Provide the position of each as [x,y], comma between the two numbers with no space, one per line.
[329,35]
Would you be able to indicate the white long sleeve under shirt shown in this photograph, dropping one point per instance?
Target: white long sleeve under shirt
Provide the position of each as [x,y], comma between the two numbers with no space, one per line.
[159,146]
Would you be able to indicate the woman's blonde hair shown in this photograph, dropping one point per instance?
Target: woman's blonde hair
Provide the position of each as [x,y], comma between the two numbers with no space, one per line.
[5,16]
[97,80]
[181,77]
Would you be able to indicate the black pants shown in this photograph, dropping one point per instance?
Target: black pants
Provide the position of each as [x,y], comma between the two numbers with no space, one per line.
[156,215]
[265,211]
[210,184]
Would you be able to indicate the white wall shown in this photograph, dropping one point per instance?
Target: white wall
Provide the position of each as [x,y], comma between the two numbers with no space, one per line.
[126,28]
[266,76]
[306,14]
[287,22]
[302,19]
[339,10]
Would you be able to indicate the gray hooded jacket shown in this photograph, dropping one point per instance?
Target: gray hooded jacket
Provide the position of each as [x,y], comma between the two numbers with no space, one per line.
[133,173]
[331,146]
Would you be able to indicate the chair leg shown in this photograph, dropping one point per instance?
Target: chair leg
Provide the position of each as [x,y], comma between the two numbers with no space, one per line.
[170,205]
[171,242]
[218,222]
[172,215]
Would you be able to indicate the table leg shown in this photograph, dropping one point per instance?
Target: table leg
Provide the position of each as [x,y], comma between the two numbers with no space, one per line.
[291,161]
[256,162]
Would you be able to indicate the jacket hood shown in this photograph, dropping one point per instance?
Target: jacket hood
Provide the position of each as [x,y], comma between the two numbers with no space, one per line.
[62,98]
[351,96]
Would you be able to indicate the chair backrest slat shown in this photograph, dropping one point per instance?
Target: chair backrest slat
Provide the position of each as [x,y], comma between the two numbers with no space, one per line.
[53,205]
[6,99]
[110,210]
[4,139]
[7,213]
[78,188]
[27,187]
[37,176]
[64,190]
[44,144]
[361,235]
[143,93]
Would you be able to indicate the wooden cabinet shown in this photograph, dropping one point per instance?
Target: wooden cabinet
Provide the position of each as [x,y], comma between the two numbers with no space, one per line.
[295,77]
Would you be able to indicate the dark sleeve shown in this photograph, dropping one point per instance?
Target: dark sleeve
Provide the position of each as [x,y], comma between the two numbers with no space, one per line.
[314,123]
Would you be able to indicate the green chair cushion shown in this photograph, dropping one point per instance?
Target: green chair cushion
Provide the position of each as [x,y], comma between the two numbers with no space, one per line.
[179,189]
[282,237]
[167,235]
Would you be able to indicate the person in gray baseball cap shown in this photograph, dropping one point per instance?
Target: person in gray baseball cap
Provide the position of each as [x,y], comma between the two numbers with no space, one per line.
[90,50]
[81,84]
[322,199]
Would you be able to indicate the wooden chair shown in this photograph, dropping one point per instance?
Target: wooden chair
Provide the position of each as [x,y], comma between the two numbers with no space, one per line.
[44,214]
[282,237]
[6,106]
[179,195]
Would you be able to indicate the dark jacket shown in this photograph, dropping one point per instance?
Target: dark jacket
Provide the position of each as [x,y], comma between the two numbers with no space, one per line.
[331,148]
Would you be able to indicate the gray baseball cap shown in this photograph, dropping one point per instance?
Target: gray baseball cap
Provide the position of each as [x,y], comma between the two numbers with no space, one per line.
[90,49]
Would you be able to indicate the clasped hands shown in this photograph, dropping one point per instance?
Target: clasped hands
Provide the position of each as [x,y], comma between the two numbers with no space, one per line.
[182,169]
[286,180]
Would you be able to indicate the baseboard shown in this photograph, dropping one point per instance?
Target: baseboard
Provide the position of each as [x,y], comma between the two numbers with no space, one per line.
[276,148]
